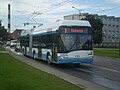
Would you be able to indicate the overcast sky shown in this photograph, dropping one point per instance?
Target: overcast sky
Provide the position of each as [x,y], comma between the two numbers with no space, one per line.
[23,11]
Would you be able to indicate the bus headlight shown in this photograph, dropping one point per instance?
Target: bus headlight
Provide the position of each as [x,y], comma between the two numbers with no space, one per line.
[91,57]
[59,55]
[62,57]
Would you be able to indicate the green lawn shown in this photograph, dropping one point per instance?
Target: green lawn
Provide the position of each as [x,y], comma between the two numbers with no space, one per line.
[15,75]
[107,52]
[1,48]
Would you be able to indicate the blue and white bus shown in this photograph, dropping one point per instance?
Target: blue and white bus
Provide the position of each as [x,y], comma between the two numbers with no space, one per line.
[63,42]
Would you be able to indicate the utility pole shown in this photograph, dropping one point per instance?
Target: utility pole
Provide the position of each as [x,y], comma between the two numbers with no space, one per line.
[78,10]
[119,44]
[8,18]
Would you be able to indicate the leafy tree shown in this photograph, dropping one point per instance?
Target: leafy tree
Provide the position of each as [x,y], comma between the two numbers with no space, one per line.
[97,28]
[3,32]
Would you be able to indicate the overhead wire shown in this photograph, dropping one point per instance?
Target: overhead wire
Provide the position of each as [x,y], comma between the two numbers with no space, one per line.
[49,9]
[108,9]
[99,4]
[55,6]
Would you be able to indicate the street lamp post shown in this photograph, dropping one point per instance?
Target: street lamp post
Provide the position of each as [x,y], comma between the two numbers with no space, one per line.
[119,45]
[78,10]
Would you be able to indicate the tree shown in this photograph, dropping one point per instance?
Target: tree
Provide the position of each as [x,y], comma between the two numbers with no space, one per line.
[3,32]
[97,28]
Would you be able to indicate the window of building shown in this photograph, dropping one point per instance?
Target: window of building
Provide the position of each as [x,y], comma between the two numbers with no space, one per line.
[105,18]
[117,20]
[105,31]
[114,32]
[117,26]
[113,25]
[109,37]
[109,25]
[117,32]
[105,24]
[113,37]
[101,19]
[109,31]
[116,37]
[113,19]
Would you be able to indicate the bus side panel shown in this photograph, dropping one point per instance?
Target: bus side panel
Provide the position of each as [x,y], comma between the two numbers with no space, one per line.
[44,53]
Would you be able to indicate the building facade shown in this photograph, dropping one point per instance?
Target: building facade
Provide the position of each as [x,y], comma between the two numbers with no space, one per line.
[111,28]
[15,35]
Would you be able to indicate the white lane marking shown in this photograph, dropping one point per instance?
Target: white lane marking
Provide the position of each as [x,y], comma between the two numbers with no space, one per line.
[108,69]
[84,70]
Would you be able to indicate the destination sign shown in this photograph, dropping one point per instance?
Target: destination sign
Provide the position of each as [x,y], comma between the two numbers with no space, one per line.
[77,30]
[68,30]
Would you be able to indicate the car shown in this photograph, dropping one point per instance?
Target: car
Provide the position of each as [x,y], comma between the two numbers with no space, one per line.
[18,48]
[13,43]
[8,43]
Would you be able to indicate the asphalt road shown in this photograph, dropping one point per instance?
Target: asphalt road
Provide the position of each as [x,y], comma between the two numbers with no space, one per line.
[103,74]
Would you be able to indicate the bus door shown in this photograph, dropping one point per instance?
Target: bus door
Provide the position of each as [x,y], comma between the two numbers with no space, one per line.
[39,52]
[54,48]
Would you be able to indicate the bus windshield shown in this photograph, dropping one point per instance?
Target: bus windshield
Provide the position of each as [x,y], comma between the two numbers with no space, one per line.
[75,40]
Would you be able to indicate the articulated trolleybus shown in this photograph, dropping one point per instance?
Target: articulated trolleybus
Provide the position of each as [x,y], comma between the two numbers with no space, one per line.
[64,42]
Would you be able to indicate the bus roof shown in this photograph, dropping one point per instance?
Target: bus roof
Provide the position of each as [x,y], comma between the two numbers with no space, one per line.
[56,25]
[75,23]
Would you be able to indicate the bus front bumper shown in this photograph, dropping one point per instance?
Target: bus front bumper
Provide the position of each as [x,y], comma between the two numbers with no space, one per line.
[75,61]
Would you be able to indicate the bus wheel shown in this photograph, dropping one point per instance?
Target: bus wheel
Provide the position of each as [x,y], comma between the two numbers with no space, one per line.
[48,59]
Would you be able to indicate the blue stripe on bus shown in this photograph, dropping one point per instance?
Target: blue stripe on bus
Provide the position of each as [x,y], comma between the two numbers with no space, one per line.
[72,61]
[44,57]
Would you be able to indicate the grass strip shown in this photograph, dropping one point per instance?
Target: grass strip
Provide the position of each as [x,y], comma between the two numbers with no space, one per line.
[1,48]
[107,52]
[15,75]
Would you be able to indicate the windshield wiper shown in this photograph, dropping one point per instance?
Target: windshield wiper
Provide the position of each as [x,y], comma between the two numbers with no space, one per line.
[62,43]
[77,43]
